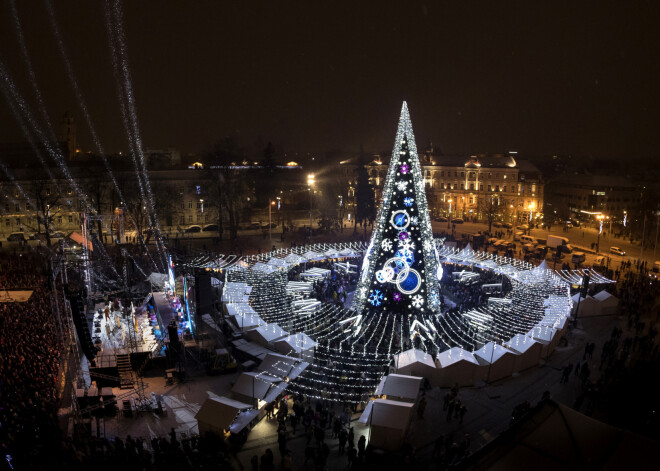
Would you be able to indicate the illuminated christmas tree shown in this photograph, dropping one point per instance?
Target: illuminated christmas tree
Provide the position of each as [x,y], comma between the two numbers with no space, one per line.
[400,271]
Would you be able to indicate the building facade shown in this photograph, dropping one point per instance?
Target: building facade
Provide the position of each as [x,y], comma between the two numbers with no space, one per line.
[470,188]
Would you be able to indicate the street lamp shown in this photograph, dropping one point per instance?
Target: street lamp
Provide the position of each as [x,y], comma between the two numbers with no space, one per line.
[270,223]
[600,218]
[310,182]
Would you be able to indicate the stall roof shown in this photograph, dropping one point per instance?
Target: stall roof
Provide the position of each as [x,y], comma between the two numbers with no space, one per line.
[269,332]
[400,386]
[413,356]
[277,365]
[298,342]
[454,355]
[520,343]
[387,413]
[220,411]
[491,352]
[237,309]
[255,385]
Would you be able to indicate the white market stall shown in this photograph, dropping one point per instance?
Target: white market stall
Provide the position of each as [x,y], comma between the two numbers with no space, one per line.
[607,302]
[458,366]
[388,422]
[500,361]
[545,335]
[399,387]
[589,307]
[529,350]
[415,362]
[251,387]
[217,414]
[300,344]
[266,333]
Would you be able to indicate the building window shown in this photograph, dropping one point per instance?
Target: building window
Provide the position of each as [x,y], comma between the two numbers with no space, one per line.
[199,205]
[182,220]
[455,174]
[481,186]
[190,218]
[505,186]
[189,204]
[199,218]
[455,186]
[7,222]
[442,173]
[183,205]
[18,221]
[471,186]
[59,219]
[7,207]
[462,174]
[18,207]
[442,186]
[497,188]
[489,188]
[70,219]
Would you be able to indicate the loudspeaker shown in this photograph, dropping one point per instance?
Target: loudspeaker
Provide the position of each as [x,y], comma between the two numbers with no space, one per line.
[203,294]
[82,326]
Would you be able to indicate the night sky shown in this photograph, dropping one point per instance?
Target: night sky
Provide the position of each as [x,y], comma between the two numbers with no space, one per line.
[554,77]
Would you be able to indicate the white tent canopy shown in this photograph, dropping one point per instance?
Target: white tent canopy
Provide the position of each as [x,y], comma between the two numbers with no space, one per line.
[500,360]
[266,333]
[607,302]
[388,421]
[416,363]
[294,259]
[529,349]
[158,281]
[248,321]
[311,255]
[457,366]
[251,386]
[282,366]
[400,386]
[218,413]
[299,344]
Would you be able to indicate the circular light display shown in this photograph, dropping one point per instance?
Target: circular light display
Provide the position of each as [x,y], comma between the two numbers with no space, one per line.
[400,219]
[408,281]
[385,275]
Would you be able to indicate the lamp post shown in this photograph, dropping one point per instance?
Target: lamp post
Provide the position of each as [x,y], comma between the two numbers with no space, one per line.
[600,218]
[270,223]
[310,182]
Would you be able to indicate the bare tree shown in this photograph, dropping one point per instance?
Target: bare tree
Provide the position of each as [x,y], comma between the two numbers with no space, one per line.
[47,199]
[489,207]
[228,188]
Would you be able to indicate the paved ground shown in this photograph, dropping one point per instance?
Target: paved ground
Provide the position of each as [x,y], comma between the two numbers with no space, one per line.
[489,406]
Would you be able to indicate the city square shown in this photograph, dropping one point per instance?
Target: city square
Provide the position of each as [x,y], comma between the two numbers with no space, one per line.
[175,296]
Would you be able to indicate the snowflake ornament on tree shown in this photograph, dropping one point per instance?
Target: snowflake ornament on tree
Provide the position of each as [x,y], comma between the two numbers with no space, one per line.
[417,301]
[401,185]
[376,298]
[405,168]
[428,245]
[414,221]
[386,244]
[407,245]
[408,201]
[397,297]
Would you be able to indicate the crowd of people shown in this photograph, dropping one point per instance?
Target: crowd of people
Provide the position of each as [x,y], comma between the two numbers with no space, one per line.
[30,354]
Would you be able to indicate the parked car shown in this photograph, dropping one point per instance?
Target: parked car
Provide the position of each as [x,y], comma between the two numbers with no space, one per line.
[497,224]
[522,227]
[508,225]
[457,221]
[617,251]
[211,228]
[440,219]
[16,237]
[193,229]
